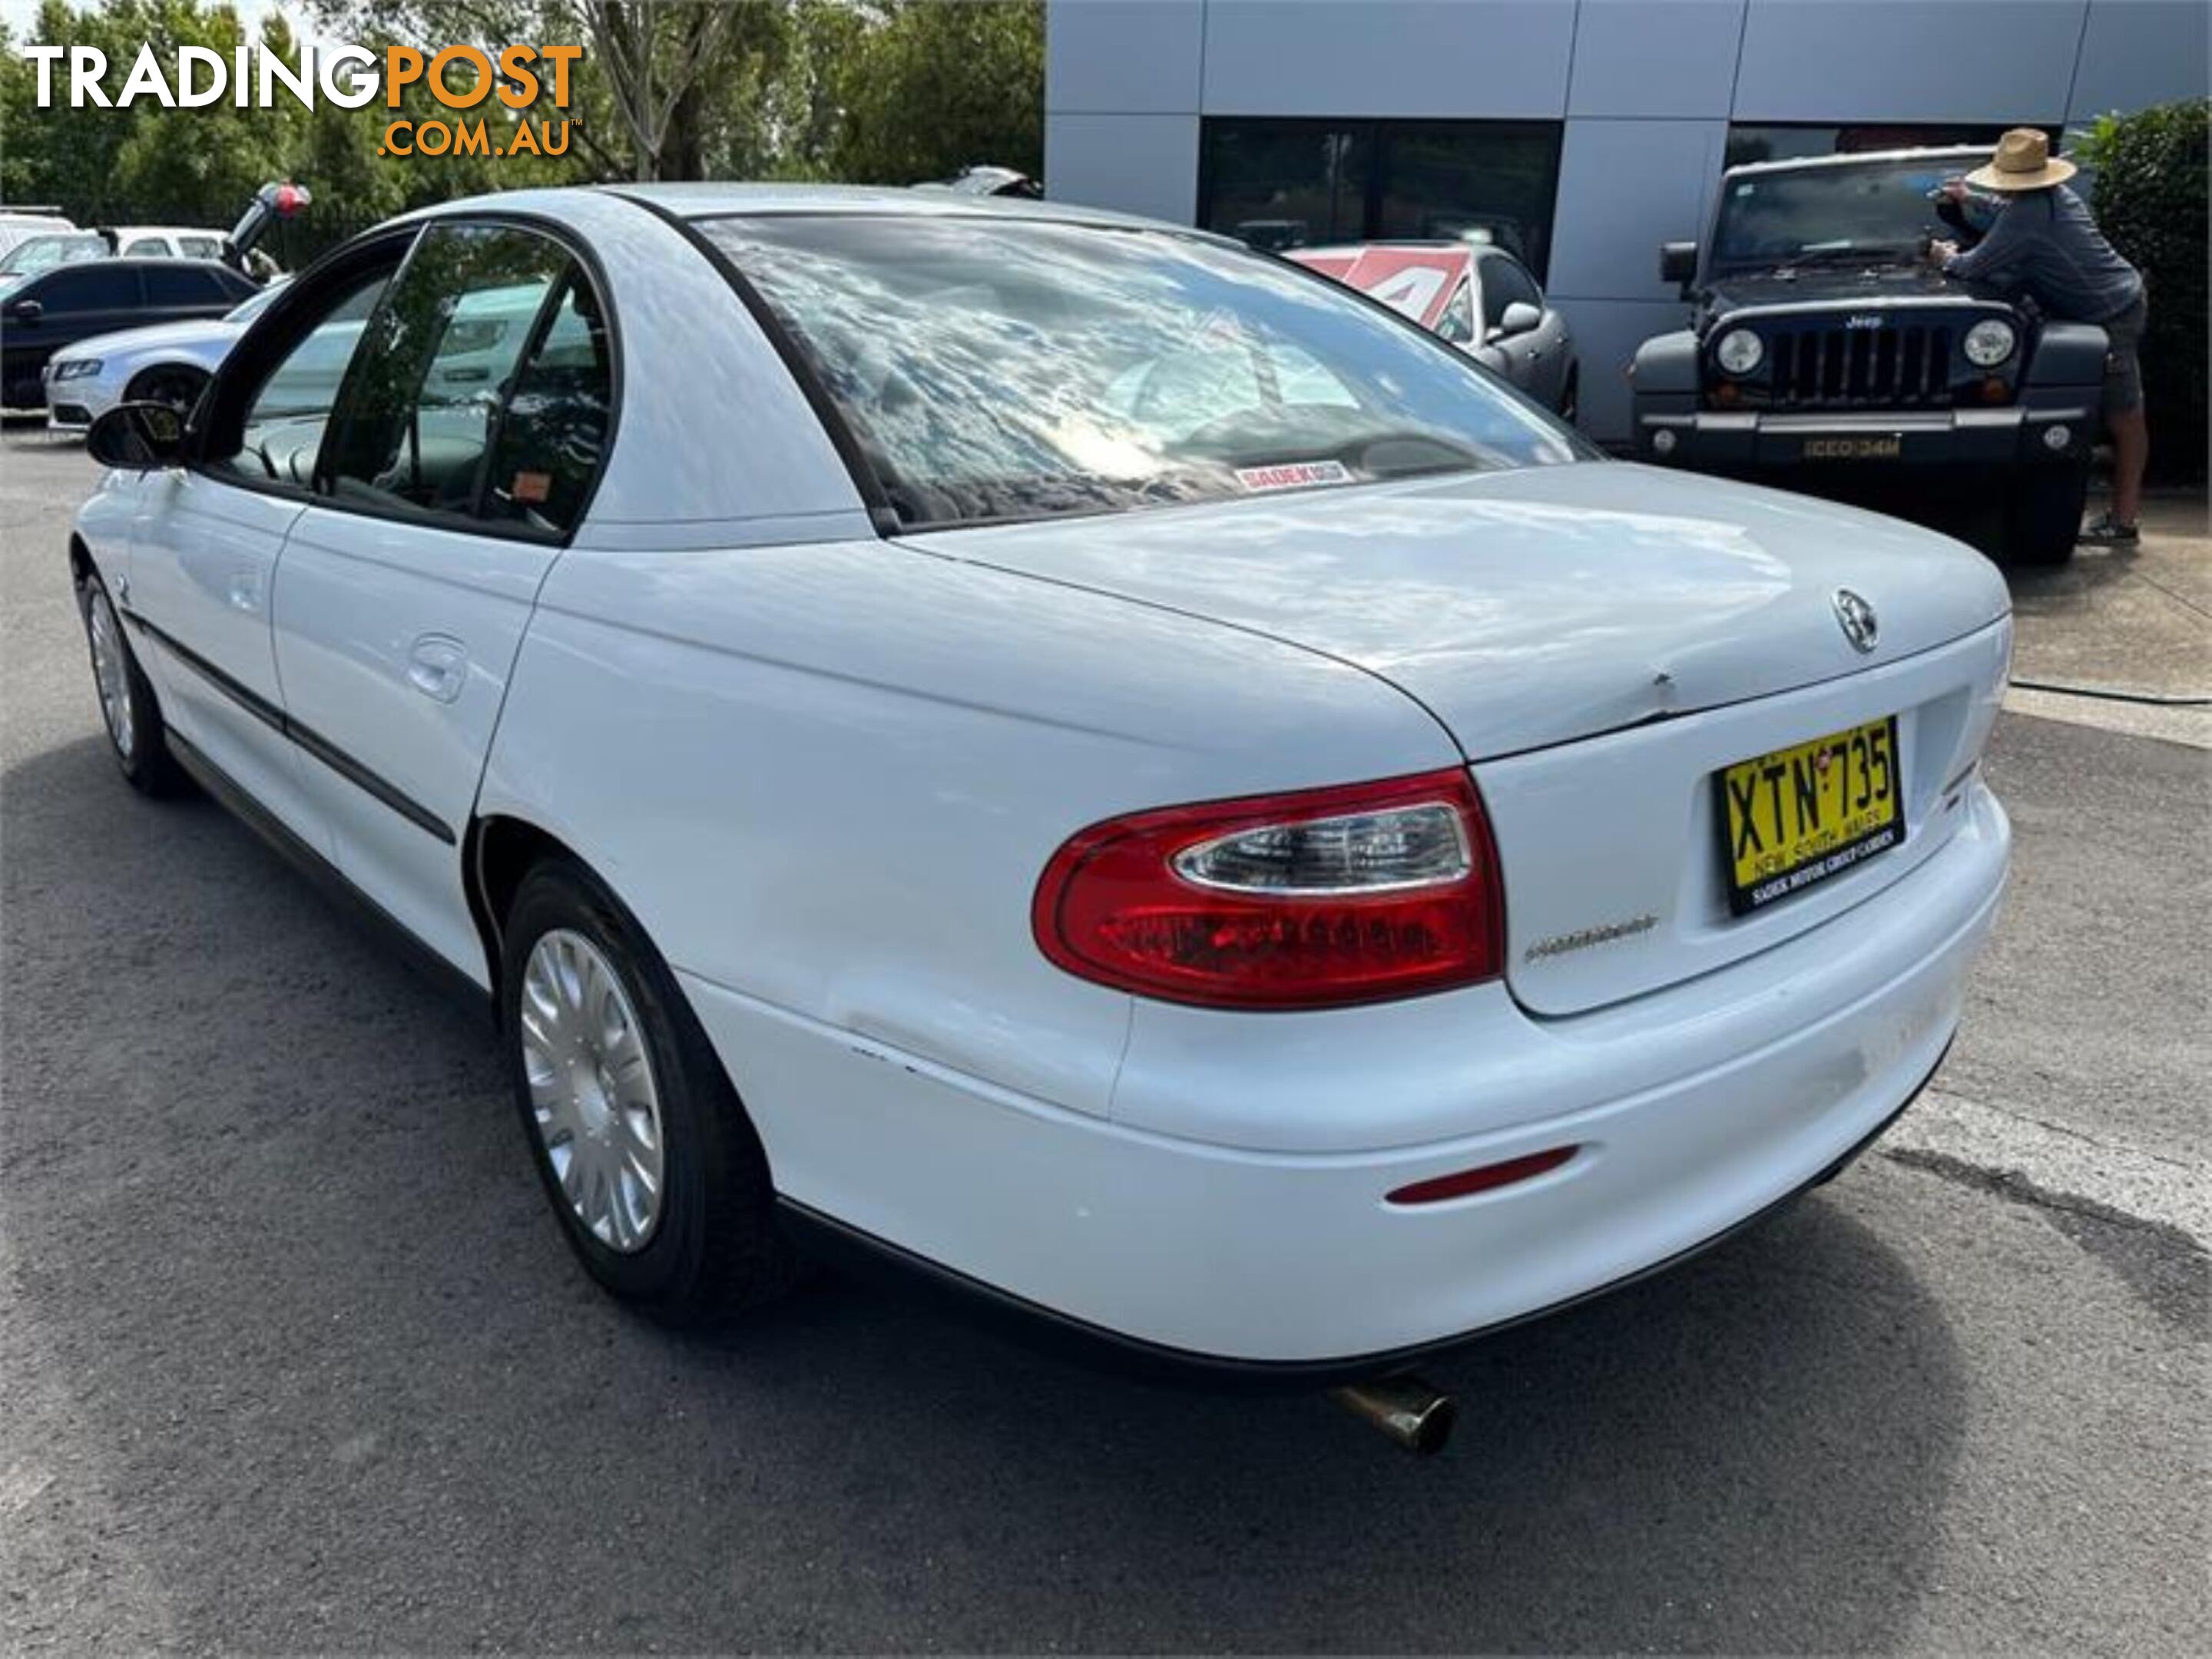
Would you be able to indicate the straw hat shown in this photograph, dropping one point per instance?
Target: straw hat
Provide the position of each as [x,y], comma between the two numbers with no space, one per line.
[2023,161]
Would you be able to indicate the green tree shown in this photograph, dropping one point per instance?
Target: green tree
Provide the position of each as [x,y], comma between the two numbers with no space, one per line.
[2151,170]
[937,87]
[666,89]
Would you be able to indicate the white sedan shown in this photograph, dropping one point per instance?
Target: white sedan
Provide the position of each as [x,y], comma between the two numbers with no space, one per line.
[1058,751]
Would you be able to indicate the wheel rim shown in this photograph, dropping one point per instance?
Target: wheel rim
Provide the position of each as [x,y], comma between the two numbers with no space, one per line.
[592,1095]
[179,392]
[112,673]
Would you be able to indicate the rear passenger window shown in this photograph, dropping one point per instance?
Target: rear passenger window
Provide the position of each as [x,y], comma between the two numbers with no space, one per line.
[150,247]
[551,435]
[95,286]
[199,247]
[176,285]
[482,388]
[414,423]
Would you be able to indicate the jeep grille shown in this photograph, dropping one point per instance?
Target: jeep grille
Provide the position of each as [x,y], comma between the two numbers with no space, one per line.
[1819,364]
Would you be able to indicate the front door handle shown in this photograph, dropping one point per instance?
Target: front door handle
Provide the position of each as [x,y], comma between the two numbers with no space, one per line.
[438,666]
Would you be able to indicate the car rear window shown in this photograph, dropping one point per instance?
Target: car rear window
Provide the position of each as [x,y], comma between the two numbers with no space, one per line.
[993,368]
[181,285]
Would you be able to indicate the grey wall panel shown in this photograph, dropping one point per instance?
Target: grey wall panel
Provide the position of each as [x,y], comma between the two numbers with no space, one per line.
[1606,334]
[2137,52]
[1654,58]
[1134,163]
[1624,187]
[1495,59]
[1121,57]
[1907,60]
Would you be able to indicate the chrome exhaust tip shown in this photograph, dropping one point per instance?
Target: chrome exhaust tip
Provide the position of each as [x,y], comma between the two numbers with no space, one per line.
[1406,1411]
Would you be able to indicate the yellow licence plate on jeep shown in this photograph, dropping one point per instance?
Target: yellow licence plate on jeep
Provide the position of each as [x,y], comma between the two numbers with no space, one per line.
[1803,814]
[1883,446]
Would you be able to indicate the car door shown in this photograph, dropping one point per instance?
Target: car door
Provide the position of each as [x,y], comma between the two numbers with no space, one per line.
[1536,357]
[207,538]
[468,434]
[59,309]
[1511,351]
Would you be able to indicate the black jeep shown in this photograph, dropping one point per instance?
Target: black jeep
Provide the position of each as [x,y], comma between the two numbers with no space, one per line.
[1825,354]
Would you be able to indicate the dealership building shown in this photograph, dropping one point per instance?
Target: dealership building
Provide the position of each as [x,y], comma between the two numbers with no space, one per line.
[1580,133]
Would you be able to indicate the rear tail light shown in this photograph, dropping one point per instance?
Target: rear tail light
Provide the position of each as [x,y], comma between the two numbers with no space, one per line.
[1313,900]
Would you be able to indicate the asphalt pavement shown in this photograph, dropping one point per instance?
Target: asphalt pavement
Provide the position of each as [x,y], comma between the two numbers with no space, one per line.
[292,1357]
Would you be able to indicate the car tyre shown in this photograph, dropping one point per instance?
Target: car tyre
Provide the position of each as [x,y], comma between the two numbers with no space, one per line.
[137,736]
[679,1222]
[174,384]
[2044,518]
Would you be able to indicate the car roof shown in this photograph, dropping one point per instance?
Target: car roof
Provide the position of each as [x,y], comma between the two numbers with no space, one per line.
[156,262]
[1805,163]
[714,201]
[144,261]
[166,230]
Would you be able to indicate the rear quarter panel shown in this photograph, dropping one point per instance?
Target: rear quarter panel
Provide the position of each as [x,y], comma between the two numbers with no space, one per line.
[827,776]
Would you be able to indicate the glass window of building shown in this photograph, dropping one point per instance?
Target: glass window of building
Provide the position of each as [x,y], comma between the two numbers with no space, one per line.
[1280,184]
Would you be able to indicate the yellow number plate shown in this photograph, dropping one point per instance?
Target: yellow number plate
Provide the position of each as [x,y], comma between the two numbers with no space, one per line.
[1801,815]
[1887,447]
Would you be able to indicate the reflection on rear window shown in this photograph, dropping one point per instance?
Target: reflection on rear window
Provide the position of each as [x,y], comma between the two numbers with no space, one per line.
[1001,368]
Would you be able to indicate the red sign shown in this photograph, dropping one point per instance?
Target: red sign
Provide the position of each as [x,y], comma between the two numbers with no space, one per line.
[1415,282]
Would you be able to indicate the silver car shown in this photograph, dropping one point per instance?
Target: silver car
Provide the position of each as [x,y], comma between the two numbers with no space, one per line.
[164,362]
[1475,294]
[173,363]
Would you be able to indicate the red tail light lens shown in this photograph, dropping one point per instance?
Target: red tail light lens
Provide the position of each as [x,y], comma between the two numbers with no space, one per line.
[1312,900]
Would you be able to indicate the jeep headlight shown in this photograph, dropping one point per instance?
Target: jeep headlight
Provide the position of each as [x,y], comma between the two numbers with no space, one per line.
[1989,343]
[75,369]
[1740,351]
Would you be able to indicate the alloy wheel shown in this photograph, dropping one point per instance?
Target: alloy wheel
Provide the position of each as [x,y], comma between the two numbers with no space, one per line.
[112,671]
[593,1095]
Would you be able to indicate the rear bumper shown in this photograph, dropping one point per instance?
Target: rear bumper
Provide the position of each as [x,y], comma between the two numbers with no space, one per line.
[1695,1109]
[2056,432]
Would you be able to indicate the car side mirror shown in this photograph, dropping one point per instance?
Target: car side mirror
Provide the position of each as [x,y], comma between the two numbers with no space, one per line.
[1520,318]
[138,437]
[27,311]
[1677,262]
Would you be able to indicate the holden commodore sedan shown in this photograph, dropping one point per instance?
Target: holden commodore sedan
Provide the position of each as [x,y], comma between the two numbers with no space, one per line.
[1064,754]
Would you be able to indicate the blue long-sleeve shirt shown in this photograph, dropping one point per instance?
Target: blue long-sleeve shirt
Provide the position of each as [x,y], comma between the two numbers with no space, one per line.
[2044,243]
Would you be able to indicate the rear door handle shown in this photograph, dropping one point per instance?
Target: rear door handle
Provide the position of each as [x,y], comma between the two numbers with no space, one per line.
[438,666]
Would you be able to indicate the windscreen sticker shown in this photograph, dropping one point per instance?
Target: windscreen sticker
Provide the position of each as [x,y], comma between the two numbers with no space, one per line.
[1292,475]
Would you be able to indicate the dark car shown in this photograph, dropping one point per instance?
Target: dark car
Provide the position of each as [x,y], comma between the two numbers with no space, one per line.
[1825,354]
[42,313]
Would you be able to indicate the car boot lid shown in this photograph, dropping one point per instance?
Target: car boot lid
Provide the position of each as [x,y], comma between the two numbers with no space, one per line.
[1533,607]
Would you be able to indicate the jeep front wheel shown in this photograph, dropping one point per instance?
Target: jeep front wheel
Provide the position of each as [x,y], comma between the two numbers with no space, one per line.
[2044,518]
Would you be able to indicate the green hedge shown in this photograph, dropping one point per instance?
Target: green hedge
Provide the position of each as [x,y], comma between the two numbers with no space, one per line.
[2150,201]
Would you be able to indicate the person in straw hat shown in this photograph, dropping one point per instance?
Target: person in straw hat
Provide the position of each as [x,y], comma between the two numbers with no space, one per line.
[2044,243]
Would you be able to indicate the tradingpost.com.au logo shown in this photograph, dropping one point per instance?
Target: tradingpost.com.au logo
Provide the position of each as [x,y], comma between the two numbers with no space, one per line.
[461,77]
